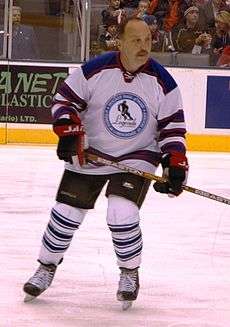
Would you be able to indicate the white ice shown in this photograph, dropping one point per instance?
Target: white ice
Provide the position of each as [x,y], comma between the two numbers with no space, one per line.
[185,273]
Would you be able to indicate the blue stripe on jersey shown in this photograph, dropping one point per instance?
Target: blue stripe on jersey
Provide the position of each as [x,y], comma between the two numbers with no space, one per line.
[166,81]
[71,96]
[173,146]
[177,117]
[173,132]
[63,111]
[105,61]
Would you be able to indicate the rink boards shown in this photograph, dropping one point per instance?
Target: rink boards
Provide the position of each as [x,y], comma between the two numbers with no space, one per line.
[26,92]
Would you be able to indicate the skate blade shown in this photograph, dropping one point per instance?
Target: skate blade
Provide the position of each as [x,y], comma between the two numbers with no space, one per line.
[28,297]
[126,305]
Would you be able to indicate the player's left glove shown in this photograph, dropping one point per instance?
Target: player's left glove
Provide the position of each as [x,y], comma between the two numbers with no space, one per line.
[175,171]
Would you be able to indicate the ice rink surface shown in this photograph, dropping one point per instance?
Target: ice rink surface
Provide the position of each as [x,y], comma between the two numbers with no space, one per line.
[185,273]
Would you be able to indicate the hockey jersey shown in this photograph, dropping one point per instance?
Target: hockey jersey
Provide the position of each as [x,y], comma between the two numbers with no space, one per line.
[128,117]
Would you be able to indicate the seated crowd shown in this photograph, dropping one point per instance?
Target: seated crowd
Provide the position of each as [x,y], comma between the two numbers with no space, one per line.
[180,26]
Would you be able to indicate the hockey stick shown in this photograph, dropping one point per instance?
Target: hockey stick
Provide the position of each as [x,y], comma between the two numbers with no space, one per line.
[97,159]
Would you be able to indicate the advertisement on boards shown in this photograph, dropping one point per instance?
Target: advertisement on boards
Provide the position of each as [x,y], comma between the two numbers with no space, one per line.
[218,102]
[26,93]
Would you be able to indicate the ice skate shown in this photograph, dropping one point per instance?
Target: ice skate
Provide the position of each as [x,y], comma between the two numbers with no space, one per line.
[39,282]
[128,287]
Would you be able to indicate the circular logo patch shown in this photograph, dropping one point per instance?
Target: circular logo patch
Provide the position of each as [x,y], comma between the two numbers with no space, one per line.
[125,115]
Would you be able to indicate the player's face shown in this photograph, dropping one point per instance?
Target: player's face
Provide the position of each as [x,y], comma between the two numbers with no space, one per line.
[135,44]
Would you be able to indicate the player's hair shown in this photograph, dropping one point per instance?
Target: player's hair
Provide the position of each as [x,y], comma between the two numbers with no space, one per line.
[123,24]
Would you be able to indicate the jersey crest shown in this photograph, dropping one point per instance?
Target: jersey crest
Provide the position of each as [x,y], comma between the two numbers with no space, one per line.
[125,115]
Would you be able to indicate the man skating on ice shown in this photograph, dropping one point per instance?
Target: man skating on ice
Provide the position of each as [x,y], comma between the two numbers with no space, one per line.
[85,105]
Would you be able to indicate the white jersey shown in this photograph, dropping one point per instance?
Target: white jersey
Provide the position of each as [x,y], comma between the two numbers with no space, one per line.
[130,118]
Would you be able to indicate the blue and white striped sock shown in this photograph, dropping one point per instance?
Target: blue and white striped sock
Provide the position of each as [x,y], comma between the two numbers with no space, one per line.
[64,221]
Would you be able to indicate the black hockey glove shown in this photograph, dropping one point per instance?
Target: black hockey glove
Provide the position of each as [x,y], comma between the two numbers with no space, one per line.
[71,139]
[175,171]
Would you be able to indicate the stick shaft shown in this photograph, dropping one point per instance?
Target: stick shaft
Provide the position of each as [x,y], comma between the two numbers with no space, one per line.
[138,172]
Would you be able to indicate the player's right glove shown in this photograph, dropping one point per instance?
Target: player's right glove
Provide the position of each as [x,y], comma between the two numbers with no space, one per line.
[175,171]
[71,139]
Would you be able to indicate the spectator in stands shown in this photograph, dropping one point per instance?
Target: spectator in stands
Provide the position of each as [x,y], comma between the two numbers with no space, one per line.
[113,13]
[24,43]
[142,9]
[188,36]
[157,35]
[202,44]
[222,36]
[96,48]
[174,14]
[224,59]
[168,13]
[110,39]
[129,3]
[208,13]
[158,8]
[199,3]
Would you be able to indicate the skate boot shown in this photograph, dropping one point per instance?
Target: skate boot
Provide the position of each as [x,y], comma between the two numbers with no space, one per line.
[128,287]
[39,282]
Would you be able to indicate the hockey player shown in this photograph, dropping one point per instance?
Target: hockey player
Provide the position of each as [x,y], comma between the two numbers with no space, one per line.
[87,104]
